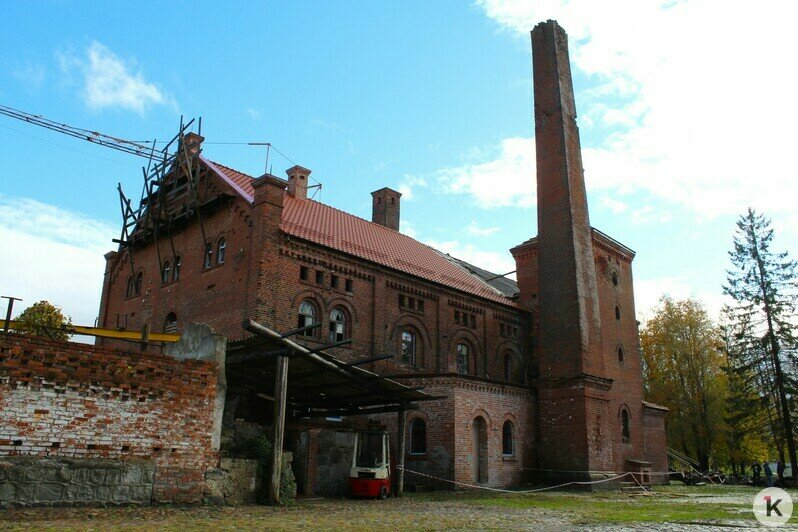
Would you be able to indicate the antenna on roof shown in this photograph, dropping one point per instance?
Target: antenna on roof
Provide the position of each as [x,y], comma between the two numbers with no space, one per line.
[268,145]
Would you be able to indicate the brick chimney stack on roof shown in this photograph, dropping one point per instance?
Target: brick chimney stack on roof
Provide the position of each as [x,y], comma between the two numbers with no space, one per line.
[385,207]
[193,142]
[298,181]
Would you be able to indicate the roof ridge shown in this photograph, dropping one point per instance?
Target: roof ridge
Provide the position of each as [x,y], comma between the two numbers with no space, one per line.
[233,169]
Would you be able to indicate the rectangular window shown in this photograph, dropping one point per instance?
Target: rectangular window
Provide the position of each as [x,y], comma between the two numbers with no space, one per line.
[411,303]
[349,285]
[457,316]
[303,273]
[401,300]
[420,305]
[319,277]
[334,281]
[501,329]
[473,321]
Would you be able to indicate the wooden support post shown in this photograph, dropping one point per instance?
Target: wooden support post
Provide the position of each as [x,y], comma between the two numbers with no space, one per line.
[400,453]
[145,336]
[280,391]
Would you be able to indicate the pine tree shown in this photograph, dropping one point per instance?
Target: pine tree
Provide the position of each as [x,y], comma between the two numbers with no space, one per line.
[763,286]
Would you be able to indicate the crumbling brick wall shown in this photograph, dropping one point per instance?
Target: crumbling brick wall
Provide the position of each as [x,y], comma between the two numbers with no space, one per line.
[69,400]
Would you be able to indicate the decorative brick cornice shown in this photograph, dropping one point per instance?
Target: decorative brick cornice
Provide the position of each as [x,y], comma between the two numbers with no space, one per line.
[584,380]
[423,292]
[471,382]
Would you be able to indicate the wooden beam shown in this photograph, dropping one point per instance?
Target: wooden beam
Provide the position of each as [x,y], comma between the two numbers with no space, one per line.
[379,409]
[242,358]
[280,389]
[302,351]
[400,451]
[359,362]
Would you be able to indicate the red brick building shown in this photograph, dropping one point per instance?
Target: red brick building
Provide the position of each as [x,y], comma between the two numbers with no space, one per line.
[540,376]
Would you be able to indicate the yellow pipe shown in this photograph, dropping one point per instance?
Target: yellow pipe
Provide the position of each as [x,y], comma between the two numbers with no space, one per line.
[109,333]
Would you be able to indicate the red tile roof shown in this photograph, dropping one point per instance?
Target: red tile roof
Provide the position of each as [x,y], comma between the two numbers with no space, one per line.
[339,230]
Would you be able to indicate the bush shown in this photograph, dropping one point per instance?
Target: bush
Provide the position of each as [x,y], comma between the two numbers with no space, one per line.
[260,448]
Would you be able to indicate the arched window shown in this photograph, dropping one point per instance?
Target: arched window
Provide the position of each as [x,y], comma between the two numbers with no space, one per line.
[615,278]
[620,353]
[508,366]
[208,256]
[131,287]
[170,323]
[625,430]
[307,317]
[165,272]
[220,251]
[617,312]
[409,347]
[507,438]
[337,325]
[139,279]
[418,436]
[462,359]
[176,272]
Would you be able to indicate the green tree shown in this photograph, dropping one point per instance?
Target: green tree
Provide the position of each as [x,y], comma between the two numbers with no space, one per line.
[683,365]
[44,319]
[748,428]
[763,285]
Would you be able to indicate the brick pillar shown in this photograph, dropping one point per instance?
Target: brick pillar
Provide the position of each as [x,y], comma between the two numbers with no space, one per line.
[267,212]
[573,387]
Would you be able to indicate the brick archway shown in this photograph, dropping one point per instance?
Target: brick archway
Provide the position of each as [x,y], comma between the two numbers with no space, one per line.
[479,439]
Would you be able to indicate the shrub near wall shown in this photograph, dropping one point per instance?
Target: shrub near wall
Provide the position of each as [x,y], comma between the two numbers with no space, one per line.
[77,401]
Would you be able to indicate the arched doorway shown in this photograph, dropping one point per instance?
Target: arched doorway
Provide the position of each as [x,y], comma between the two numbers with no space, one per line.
[479,465]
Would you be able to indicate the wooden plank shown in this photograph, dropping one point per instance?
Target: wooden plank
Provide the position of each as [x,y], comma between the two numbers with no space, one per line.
[400,451]
[280,389]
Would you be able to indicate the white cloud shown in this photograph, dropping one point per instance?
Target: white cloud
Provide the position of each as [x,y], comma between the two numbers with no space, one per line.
[32,75]
[473,229]
[406,228]
[53,254]
[505,179]
[648,292]
[702,116]
[478,256]
[409,184]
[109,81]
[648,214]
[489,260]
[616,206]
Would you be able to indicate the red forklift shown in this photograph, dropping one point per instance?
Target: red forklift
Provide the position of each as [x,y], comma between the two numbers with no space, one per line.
[370,475]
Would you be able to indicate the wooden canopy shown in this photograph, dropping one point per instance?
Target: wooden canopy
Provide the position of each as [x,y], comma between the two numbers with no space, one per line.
[318,384]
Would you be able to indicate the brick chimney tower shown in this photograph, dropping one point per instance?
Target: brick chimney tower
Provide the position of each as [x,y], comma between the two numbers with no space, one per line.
[385,207]
[298,181]
[572,387]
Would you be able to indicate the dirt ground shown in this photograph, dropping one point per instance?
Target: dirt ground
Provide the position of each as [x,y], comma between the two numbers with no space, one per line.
[672,508]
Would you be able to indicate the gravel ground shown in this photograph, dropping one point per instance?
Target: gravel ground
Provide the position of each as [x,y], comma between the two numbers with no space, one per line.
[663,510]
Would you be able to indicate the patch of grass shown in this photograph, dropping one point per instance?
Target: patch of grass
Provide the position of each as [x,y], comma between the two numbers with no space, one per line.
[599,508]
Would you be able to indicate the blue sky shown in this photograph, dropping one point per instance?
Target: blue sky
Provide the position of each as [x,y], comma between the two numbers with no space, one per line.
[684,121]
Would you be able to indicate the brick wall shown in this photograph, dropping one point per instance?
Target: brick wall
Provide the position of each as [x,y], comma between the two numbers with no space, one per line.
[62,399]
[449,425]
[655,437]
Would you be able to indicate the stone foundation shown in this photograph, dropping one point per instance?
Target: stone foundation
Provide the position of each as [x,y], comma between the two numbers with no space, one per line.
[28,481]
